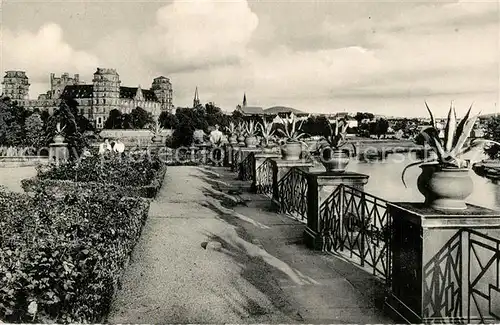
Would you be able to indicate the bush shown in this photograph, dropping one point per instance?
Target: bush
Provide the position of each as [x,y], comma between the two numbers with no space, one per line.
[124,170]
[62,253]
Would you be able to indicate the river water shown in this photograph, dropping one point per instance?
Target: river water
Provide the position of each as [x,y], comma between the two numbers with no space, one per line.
[385,181]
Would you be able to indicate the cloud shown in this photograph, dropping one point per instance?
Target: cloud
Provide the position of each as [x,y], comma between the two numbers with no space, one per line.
[43,52]
[199,34]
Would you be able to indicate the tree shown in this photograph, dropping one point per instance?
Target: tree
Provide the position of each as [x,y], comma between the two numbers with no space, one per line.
[492,132]
[34,130]
[168,120]
[141,118]
[379,127]
[11,123]
[114,120]
[316,126]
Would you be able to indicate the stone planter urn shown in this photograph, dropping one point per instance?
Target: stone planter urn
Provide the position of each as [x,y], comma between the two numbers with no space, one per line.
[445,188]
[251,141]
[233,139]
[291,150]
[156,139]
[334,160]
[241,140]
[58,138]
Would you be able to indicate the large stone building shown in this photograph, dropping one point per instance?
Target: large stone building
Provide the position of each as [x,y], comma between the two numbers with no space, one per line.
[95,100]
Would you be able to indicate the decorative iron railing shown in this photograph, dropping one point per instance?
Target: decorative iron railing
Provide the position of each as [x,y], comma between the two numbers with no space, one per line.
[264,178]
[292,193]
[462,280]
[357,222]
[245,172]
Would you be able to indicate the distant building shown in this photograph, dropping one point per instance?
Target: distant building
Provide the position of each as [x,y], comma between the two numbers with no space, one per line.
[95,100]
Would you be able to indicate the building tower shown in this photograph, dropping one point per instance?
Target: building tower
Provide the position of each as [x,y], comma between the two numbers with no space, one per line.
[16,85]
[105,95]
[57,84]
[162,87]
[196,100]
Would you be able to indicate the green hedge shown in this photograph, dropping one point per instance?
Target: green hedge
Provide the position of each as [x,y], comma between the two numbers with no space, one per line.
[54,185]
[129,175]
[125,169]
[63,252]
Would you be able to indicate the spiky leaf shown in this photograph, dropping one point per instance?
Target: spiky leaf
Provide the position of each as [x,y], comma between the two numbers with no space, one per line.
[460,127]
[469,124]
[433,123]
[414,164]
[449,131]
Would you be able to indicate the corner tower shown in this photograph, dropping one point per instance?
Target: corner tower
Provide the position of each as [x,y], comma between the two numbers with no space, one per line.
[106,94]
[162,87]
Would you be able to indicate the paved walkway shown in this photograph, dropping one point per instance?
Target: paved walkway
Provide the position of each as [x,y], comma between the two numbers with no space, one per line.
[262,273]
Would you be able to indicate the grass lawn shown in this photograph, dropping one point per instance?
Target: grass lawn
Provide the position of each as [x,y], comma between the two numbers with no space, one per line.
[11,176]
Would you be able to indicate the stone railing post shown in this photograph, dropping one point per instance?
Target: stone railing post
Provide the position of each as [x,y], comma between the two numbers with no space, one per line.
[434,264]
[320,187]
[259,159]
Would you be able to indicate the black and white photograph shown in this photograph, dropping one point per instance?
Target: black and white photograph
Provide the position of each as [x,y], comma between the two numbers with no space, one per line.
[249,161]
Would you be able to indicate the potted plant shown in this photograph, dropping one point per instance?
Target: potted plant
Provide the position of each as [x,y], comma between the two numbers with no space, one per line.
[445,181]
[59,138]
[233,138]
[292,148]
[241,133]
[251,137]
[156,130]
[333,157]
[267,132]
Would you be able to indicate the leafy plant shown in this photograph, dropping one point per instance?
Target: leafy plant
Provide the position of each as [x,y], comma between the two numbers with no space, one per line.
[336,137]
[231,128]
[250,128]
[241,129]
[59,129]
[156,129]
[449,150]
[266,130]
[291,130]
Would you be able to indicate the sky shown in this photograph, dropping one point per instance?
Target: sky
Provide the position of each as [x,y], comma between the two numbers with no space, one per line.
[386,57]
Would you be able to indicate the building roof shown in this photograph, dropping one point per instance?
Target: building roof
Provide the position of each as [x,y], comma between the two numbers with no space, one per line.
[282,109]
[130,92]
[77,91]
[252,110]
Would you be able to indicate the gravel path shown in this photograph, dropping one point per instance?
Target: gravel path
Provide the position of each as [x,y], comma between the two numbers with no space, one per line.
[259,274]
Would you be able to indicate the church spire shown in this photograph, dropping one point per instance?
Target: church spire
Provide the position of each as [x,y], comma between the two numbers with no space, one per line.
[244,99]
[196,100]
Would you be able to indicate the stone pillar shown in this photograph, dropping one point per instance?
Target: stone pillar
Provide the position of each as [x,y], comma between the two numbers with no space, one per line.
[260,158]
[58,152]
[320,186]
[235,153]
[445,265]
[243,154]
[280,168]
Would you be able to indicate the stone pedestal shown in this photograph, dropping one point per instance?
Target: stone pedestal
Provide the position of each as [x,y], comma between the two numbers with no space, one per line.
[280,168]
[445,265]
[58,152]
[258,176]
[320,186]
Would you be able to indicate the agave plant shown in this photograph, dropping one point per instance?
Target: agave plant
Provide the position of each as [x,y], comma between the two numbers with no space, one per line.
[231,128]
[59,129]
[250,128]
[157,129]
[449,150]
[266,130]
[337,136]
[241,129]
[291,130]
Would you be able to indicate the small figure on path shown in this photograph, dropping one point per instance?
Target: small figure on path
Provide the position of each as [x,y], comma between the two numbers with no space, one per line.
[216,139]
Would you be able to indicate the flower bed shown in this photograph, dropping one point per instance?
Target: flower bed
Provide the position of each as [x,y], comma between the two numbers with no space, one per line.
[63,252]
[128,175]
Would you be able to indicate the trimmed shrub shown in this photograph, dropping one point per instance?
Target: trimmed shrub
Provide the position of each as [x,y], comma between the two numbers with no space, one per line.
[63,252]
